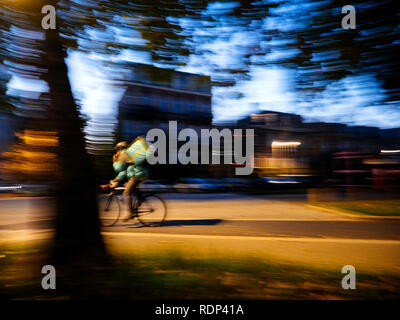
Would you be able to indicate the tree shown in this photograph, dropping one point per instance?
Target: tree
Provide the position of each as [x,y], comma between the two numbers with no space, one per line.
[78,228]
[40,55]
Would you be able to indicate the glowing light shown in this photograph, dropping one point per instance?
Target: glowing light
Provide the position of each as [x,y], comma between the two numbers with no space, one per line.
[33,155]
[390,151]
[274,181]
[285,144]
[11,188]
[39,138]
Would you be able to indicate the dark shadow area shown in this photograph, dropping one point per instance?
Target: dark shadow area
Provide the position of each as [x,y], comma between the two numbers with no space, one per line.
[180,223]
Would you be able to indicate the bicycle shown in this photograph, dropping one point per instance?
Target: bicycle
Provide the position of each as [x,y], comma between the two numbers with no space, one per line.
[149,208]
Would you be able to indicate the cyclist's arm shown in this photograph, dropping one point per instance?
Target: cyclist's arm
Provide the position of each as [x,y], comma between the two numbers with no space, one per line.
[120,168]
[121,176]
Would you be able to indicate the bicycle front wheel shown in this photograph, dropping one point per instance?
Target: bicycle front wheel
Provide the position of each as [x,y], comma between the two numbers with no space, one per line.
[153,211]
[109,210]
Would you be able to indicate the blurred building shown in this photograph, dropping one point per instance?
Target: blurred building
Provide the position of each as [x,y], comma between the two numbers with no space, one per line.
[8,125]
[155,96]
[287,146]
[279,143]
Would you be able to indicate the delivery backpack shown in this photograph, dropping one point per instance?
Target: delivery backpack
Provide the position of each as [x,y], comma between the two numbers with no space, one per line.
[137,151]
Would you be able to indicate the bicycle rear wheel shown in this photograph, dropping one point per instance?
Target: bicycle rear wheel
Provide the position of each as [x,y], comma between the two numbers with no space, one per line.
[153,211]
[109,210]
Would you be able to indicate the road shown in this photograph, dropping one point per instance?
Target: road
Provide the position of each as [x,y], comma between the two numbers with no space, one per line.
[283,228]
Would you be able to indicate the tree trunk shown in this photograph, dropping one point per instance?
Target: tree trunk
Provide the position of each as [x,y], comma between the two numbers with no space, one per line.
[77,240]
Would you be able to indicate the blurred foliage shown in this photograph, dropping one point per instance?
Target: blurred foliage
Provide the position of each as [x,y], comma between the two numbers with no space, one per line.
[307,35]
[368,207]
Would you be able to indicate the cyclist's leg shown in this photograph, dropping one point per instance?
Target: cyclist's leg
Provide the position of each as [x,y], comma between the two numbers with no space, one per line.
[131,187]
[127,194]
[139,196]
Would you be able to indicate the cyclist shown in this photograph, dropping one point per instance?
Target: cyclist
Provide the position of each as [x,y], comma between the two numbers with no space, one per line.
[129,163]
[119,166]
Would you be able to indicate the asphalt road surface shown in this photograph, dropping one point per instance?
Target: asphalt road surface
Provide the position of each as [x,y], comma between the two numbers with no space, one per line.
[220,214]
